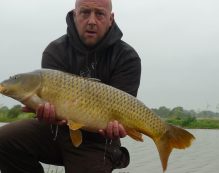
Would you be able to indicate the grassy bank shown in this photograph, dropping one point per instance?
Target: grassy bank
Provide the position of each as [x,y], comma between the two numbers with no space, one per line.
[195,123]
[21,116]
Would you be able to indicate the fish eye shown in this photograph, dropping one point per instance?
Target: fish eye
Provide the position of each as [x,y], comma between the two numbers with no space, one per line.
[14,77]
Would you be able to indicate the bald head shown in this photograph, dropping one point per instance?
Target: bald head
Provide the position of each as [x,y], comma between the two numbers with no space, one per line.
[105,3]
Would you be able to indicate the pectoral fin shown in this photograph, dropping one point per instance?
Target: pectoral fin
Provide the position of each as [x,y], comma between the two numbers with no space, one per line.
[76,137]
[33,101]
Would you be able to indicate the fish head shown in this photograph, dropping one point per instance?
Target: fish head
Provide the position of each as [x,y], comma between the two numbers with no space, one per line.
[21,86]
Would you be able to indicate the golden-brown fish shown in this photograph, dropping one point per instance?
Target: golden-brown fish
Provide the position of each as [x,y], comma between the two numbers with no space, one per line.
[90,105]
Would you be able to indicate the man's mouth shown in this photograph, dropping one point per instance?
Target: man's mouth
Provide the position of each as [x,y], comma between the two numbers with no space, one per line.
[91,33]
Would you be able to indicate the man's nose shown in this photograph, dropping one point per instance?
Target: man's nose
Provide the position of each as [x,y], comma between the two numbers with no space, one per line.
[92,19]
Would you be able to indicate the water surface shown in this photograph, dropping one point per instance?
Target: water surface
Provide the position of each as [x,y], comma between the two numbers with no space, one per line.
[201,157]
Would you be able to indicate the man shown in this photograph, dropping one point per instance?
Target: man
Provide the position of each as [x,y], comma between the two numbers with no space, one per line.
[92,48]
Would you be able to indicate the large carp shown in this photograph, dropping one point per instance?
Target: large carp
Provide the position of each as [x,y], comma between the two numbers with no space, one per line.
[89,104]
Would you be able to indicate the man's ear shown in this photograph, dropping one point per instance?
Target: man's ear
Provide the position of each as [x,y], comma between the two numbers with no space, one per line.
[111,18]
[74,13]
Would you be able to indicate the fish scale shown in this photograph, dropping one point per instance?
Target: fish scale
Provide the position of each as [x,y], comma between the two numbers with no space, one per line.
[106,101]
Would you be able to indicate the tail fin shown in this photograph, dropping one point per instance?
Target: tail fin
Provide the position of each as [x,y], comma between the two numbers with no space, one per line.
[174,137]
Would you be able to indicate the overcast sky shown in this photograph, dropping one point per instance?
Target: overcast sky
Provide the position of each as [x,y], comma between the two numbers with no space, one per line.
[177,40]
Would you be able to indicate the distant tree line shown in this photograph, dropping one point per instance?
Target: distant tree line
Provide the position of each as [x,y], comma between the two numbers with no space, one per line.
[180,113]
[189,118]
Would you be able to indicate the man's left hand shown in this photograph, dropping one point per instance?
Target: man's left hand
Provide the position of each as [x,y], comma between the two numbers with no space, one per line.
[114,130]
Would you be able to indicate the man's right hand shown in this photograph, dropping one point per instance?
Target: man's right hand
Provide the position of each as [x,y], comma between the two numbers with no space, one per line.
[46,112]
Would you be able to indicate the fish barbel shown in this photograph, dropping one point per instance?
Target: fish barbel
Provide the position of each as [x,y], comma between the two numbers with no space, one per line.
[88,104]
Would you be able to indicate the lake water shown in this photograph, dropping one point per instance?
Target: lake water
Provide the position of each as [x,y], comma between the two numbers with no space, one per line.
[201,157]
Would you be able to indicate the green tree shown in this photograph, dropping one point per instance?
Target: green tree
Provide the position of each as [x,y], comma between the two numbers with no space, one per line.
[4,111]
[162,111]
[187,121]
[177,113]
[14,112]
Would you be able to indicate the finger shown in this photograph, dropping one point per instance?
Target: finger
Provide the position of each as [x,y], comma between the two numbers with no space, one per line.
[122,131]
[52,117]
[61,122]
[27,109]
[46,113]
[102,132]
[115,129]
[39,112]
[109,132]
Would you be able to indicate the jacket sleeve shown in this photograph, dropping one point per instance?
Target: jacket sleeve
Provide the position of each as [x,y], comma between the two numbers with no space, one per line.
[127,72]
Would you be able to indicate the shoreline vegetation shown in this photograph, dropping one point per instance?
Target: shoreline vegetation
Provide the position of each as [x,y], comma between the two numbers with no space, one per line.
[177,116]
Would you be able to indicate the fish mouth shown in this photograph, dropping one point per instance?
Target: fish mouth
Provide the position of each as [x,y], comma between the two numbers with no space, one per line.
[2,89]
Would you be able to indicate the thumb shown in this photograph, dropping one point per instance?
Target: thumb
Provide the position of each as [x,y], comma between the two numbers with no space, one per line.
[27,109]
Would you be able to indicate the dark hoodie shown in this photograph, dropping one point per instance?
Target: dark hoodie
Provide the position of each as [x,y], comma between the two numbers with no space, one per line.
[112,61]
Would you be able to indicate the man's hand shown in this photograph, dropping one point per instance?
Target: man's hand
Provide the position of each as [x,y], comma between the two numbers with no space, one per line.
[46,112]
[114,130]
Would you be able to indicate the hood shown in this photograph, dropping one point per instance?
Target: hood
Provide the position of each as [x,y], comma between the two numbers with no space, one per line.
[113,35]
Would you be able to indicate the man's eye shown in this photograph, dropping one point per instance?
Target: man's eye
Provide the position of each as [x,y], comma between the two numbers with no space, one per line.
[85,12]
[99,14]
[14,77]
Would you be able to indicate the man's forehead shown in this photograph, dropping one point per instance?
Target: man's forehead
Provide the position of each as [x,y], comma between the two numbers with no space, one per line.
[100,4]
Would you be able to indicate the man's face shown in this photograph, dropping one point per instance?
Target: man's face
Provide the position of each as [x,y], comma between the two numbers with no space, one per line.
[93,19]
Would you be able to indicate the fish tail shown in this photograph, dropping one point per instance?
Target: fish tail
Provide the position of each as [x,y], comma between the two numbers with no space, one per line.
[174,137]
